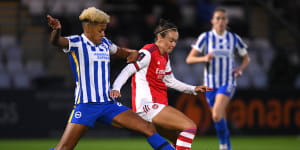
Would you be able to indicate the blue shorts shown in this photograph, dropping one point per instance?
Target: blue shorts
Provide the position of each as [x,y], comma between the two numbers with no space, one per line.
[225,89]
[88,113]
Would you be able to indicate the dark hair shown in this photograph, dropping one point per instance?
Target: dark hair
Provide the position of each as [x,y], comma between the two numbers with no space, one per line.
[219,9]
[164,25]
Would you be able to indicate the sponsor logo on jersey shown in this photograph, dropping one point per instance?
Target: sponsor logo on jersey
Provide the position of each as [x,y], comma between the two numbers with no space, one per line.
[222,53]
[160,73]
[100,56]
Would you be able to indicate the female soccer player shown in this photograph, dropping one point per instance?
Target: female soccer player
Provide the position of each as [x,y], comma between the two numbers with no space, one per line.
[218,47]
[89,55]
[152,75]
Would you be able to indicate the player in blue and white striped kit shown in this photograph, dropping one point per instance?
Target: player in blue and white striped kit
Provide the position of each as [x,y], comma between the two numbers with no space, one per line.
[218,47]
[89,55]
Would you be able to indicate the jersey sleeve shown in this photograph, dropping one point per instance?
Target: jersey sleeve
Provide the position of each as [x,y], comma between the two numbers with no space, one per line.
[173,83]
[143,59]
[74,41]
[199,45]
[241,46]
[123,76]
[111,46]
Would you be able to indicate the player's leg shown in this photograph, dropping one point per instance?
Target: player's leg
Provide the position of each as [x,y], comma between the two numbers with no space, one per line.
[219,108]
[171,135]
[81,118]
[218,115]
[132,121]
[71,136]
[121,116]
[171,118]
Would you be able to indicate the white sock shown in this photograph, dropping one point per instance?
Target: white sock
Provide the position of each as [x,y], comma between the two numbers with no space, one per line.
[223,146]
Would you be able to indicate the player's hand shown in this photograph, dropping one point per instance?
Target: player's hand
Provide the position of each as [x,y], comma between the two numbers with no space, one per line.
[209,56]
[133,55]
[115,94]
[202,88]
[237,72]
[53,23]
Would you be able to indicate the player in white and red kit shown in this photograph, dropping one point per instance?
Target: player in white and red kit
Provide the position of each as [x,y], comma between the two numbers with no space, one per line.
[152,74]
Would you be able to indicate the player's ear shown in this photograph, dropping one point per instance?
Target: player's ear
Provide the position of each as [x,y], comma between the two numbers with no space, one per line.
[159,36]
[88,27]
[227,20]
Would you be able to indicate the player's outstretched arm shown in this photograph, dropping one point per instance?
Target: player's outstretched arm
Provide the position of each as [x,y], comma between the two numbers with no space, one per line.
[173,83]
[130,54]
[121,80]
[55,38]
[193,57]
[202,89]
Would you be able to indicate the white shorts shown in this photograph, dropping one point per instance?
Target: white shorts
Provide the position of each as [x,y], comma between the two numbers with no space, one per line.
[150,110]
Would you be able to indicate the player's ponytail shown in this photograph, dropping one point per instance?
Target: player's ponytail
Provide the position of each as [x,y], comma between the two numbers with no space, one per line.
[164,25]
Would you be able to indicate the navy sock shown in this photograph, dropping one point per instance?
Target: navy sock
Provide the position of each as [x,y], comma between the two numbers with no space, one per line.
[159,143]
[223,132]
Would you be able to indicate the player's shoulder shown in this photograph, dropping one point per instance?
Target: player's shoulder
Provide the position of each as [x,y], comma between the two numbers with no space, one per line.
[74,38]
[106,40]
[203,35]
[144,53]
[150,47]
[233,34]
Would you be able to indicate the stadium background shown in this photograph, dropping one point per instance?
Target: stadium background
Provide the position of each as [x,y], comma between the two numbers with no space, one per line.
[36,82]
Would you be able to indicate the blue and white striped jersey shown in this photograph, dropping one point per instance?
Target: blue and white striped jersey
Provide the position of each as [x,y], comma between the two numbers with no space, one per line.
[218,71]
[90,65]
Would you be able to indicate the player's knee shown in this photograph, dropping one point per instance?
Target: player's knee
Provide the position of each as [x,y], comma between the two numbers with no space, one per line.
[149,129]
[216,117]
[190,125]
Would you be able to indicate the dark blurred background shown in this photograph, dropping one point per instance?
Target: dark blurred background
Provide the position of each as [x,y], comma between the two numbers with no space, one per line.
[37,85]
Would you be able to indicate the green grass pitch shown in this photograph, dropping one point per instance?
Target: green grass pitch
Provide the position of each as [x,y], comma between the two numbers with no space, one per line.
[200,143]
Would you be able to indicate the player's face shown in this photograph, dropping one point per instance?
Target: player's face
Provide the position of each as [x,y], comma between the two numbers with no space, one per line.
[219,21]
[97,33]
[169,41]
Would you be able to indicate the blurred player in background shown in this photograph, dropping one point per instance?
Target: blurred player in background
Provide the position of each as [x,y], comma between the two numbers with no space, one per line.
[218,47]
[89,55]
[152,75]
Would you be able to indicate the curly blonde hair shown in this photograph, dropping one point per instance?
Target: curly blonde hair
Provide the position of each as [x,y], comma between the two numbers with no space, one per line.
[94,15]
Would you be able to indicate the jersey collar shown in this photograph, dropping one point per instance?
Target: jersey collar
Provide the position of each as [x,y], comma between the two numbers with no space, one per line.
[89,41]
[220,36]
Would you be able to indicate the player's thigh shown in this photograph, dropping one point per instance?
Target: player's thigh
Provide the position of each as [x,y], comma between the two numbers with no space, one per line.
[220,105]
[71,136]
[172,119]
[132,121]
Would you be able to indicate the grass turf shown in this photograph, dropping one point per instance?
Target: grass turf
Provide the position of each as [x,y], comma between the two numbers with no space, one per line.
[200,143]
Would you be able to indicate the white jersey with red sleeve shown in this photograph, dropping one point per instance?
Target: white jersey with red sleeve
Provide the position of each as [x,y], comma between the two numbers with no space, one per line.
[147,82]
[152,74]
